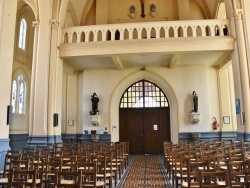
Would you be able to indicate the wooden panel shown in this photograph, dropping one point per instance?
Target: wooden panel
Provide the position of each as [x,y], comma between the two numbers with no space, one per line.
[137,128]
[152,131]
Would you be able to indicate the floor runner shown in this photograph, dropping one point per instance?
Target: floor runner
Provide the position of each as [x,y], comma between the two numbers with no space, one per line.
[145,171]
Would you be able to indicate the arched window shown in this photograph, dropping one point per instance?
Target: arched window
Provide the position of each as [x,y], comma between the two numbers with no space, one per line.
[22,34]
[18,95]
[143,94]
[221,12]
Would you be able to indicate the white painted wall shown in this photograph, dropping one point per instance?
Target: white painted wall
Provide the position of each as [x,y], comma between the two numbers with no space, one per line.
[178,85]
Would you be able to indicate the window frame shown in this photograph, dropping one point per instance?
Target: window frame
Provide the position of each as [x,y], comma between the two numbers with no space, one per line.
[22,35]
[143,94]
[19,107]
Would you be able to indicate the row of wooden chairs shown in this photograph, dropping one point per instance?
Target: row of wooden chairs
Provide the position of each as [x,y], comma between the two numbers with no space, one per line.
[86,177]
[187,163]
[50,163]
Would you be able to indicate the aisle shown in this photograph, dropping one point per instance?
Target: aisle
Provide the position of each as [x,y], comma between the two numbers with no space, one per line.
[145,171]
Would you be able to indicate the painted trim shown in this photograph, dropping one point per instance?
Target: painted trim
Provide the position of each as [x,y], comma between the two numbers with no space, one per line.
[243,136]
[18,141]
[204,136]
[4,145]
[85,137]
[44,140]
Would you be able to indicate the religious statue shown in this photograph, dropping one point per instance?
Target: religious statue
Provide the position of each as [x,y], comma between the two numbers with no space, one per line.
[95,100]
[195,101]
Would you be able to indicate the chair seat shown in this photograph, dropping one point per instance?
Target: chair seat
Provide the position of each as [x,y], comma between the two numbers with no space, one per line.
[102,175]
[192,184]
[3,180]
[221,183]
[98,184]
[67,181]
[37,181]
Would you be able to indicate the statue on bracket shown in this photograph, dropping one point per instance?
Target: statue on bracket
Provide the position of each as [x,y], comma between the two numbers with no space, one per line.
[195,101]
[95,100]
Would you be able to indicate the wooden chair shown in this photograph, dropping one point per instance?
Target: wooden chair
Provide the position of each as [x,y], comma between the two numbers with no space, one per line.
[69,179]
[190,179]
[9,157]
[176,163]
[168,150]
[8,165]
[27,151]
[220,161]
[219,179]
[102,173]
[24,177]
[89,174]
[239,173]
[111,166]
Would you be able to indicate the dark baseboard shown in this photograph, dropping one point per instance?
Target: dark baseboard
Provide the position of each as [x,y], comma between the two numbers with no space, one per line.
[206,136]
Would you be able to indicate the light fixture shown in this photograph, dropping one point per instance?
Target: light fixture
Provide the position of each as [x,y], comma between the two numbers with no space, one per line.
[55,119]
[152,10]
[9,115]
[132,12]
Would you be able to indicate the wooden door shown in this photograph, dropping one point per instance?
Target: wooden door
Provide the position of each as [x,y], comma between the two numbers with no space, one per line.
[145,129]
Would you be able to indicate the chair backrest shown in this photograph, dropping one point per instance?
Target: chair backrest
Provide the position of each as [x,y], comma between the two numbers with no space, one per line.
[89,173]
[8,164]
[193,168]
[218,179]
[23,177]
[48,173]
[239,173]
[69,179]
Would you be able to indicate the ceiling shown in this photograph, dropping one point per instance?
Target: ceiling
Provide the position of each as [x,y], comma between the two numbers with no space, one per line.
[169,60]
[131,59]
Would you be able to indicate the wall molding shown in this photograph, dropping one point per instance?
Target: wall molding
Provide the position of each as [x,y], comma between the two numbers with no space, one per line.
[44,139]
[205,136]
[4,145]
[85,137]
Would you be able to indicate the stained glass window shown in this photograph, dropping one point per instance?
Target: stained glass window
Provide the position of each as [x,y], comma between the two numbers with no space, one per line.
[143,94]
[22,34]
[18,95]
[14,96]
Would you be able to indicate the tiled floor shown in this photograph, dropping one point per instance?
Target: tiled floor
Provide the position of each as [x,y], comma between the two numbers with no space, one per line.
[139,181]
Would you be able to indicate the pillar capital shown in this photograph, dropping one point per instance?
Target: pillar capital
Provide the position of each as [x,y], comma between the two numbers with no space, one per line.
[54,23]
[238,13]
[35,24]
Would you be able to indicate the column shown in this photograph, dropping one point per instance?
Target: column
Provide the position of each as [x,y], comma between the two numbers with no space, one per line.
[243,66]
[7,32]
[35,24]
[53,130]
[38,117]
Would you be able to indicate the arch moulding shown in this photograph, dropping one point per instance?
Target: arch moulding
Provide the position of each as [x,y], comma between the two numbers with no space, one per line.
[124,84]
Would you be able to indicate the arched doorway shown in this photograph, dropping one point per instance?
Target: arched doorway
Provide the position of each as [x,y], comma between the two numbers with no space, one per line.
[144,118]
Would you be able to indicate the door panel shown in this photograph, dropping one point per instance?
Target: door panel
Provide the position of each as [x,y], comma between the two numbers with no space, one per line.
[137,128]
[152,131]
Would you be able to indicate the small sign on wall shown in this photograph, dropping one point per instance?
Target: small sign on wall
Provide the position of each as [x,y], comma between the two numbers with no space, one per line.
[70,122]
[226,119]
[155,127]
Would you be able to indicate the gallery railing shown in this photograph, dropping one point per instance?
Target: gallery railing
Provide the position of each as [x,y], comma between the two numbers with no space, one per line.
[146,30]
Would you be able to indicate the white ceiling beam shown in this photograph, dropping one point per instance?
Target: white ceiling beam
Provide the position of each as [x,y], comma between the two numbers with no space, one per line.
[173,61]
[117,62]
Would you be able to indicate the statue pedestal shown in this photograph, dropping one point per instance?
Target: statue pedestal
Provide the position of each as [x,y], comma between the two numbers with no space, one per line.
[195,117]
[95,119]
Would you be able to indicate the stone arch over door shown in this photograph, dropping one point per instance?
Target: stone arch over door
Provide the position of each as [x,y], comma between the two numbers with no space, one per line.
[124,84]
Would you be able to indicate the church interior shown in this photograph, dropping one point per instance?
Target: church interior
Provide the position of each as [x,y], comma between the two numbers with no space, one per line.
[137,77]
